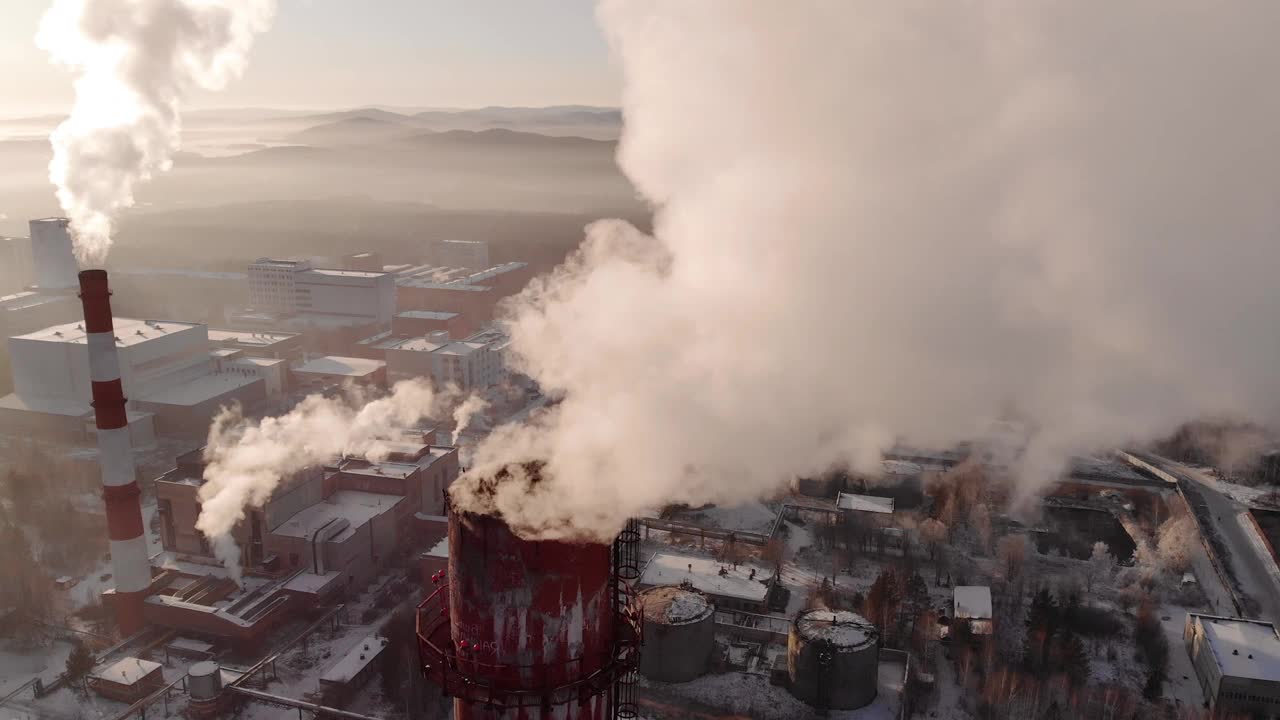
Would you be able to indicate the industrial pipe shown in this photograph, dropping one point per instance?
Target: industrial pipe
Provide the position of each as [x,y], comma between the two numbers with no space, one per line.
[129,562]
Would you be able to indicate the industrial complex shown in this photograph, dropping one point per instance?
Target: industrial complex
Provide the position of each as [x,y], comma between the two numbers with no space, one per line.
[864,594]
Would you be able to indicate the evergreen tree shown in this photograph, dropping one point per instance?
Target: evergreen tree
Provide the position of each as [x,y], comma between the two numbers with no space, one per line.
[1074,659]
[80,661]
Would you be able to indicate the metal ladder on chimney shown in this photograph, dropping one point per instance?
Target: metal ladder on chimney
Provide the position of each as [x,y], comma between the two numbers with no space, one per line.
[626,570]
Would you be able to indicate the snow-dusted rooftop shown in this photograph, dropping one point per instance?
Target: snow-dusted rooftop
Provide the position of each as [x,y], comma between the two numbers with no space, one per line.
[199,390]
[338,365]
[249,338]
[365,652]
[841,628]
[672,605]
[973,602]
[1243,648]
[355,506]
[127,671]
[704,574]
[864,503]
[129,331]
[440,549]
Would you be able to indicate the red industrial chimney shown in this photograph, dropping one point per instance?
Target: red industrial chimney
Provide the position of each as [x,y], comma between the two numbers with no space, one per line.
[525,630]
[129,562]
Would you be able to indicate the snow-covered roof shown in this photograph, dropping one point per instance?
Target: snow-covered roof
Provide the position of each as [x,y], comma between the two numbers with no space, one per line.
[841,628]
[199,389]
[338,365]
[864,503]
[973,602]
[353,662]
[440,549]
[310,583]
[127,671]
[128,331]
[1243,648]
[704,574]
[354,506]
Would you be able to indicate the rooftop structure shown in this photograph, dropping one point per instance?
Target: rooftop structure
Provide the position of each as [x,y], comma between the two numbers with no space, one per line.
[336,369]
[745,587]
[473,254]
[865,503]
[474,363]
[166,368]
[973,603]
[1237,662]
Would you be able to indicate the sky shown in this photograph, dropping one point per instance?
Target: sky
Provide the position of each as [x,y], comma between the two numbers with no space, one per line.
[349,53]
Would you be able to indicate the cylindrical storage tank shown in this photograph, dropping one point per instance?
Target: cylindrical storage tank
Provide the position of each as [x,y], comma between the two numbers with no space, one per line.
[204,680]
[528,616]
[833,659]
[679,633]
[204,685]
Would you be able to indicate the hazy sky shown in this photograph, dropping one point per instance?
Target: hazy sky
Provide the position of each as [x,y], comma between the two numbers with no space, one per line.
[340,53]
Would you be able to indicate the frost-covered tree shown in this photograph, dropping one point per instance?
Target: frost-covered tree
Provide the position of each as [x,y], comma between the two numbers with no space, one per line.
[1102,566]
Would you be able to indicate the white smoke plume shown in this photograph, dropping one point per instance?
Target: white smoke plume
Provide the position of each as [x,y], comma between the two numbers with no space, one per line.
[246,459]
[138,60]
[892,220]
[465,413]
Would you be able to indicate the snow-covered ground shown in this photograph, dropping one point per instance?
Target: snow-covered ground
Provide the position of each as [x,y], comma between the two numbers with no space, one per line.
[754,516]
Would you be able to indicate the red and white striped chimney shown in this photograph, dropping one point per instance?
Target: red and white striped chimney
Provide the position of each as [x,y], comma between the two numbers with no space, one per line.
[129,562]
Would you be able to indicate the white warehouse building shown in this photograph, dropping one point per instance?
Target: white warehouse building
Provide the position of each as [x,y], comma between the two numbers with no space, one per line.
[294,287]
[171,378]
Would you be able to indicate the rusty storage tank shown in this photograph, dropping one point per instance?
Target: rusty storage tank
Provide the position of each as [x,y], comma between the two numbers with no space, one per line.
[833,659]
[525,630]
[679,633]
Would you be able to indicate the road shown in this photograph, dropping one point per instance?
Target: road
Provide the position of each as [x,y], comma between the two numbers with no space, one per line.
[1251,569]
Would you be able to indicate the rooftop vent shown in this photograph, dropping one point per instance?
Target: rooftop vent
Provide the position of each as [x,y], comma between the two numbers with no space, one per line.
[1235,652]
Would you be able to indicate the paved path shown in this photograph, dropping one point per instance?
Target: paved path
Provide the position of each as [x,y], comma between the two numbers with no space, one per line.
[1251,569]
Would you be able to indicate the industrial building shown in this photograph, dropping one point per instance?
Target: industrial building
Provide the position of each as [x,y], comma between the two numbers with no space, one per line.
[1237,662]
[473,295]
[338,522]
[352,671]
[743,587]
[266,344]
[470,254]
[418,323]
[474,363]
[293,288]
[127,680]
[171,380]
[333,370]
[15,264]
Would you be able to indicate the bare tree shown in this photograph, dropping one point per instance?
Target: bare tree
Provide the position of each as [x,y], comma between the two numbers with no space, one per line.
[1012,551]
[980,519]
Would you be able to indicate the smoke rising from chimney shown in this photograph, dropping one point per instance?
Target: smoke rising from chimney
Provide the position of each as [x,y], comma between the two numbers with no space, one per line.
[138,60]
[465,413]
[247,459]
[881,221]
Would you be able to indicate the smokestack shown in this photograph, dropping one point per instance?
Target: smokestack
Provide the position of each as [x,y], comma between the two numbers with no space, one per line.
[129,562]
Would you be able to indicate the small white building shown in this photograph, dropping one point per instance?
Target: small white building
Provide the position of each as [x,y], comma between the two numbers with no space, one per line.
[1237,662]
[53,259]
[15,264]
[337,369]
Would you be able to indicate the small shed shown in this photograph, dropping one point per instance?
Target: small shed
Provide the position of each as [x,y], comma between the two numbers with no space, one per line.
[127,680]
[973,603]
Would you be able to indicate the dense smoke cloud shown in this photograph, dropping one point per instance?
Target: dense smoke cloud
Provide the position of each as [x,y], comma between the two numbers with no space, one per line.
[880,221]
[138,60]
[248,459]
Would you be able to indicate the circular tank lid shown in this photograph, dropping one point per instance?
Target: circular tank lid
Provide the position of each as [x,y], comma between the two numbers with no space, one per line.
[841,628]
[674,605]
[204,668]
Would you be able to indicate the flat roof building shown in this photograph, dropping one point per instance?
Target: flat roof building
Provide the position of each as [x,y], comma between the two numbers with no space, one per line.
[167,369]
[294,287]
[744,587]
[1237,662]
[336,369]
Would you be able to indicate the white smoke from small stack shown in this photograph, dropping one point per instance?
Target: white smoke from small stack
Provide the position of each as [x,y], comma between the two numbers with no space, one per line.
[894,220]
[246,460]
[464,413]
[138,61]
